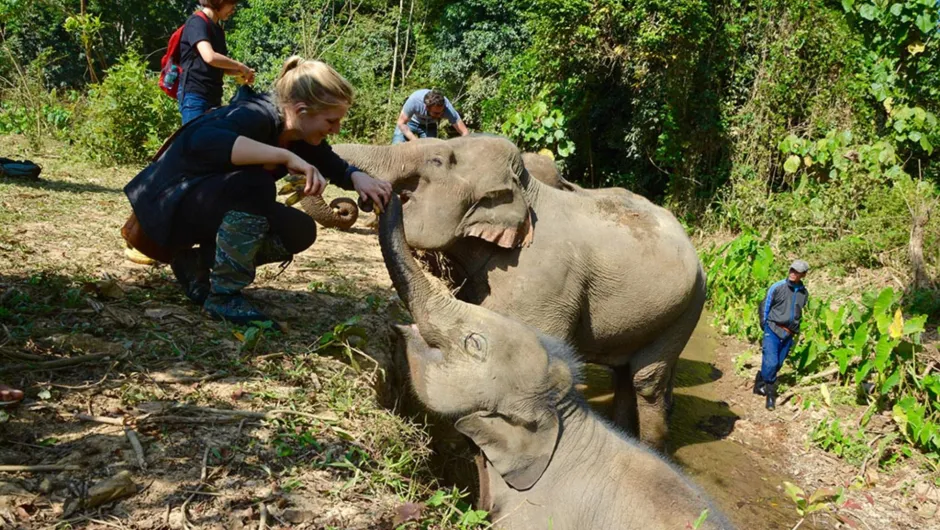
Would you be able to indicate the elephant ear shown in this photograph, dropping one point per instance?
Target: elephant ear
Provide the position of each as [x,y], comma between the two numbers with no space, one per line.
[520,450]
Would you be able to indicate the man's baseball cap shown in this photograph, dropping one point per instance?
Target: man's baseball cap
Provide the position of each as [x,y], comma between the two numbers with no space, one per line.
[800,266]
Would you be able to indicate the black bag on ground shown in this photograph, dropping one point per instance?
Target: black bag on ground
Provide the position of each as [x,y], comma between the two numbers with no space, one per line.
[23,169]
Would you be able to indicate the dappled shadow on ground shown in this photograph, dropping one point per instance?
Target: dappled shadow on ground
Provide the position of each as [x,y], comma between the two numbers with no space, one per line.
[50,185]
[98,356]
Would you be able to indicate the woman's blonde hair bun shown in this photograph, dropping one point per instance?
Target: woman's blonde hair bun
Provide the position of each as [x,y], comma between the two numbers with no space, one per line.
[312,82]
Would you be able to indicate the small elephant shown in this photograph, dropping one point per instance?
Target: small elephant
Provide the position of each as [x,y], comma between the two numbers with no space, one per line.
[615,276]
[548,461]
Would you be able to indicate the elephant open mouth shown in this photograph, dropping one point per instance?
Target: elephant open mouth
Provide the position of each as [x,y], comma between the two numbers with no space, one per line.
[416,347]
[405,196]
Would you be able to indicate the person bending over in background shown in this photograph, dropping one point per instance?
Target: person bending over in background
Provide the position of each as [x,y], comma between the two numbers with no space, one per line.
[780,315]
[204,60]
[214,185]
[421,113]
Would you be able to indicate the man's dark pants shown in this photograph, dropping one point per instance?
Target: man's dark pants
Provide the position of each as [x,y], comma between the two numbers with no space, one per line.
[775,352]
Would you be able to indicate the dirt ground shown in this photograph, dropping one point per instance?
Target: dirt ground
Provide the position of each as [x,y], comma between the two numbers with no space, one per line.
[153,416]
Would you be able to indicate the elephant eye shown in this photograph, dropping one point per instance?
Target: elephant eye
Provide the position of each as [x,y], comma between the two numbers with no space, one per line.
[436,161]
[475,344]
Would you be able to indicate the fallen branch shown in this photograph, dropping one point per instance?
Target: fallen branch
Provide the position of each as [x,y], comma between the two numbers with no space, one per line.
[138,449]
[85,386]
[41,468]
[190,379]
[263,523]
[821,375]
[55,365]
[872,453]
[26,356]
[794,391]
[205,420]
[99,419]
[202,482]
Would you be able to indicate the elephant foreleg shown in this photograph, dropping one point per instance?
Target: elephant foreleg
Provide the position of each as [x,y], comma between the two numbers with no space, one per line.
[625,405]
[651,382]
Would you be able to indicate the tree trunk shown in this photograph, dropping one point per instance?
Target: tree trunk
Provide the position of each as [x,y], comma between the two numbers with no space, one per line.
[916,249]
[391,83]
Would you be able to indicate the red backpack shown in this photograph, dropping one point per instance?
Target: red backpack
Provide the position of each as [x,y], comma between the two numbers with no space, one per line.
[170,69]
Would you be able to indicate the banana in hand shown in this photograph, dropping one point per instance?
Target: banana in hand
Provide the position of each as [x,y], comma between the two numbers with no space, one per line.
[292,183]
[295,198]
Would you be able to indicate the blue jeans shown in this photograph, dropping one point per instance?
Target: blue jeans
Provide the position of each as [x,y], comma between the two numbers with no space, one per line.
[192,106]
[421,131]
[775,352]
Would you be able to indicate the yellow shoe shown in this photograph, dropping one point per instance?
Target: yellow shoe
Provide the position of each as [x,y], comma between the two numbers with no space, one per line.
[137,257]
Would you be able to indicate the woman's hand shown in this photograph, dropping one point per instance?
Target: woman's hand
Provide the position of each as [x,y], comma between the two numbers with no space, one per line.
[377,191]
[315,181]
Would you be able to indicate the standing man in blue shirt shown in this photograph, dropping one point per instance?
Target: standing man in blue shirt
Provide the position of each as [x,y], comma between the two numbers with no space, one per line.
[780,315]
[421,113]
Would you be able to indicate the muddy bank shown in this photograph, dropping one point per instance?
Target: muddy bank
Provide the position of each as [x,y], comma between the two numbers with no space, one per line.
[735,475]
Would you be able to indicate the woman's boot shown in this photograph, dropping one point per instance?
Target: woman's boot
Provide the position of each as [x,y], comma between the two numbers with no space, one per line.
[237,245]
[273,251]
[191,268]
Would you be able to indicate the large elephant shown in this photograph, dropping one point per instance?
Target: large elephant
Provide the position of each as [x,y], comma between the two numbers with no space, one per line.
[616,277]
[548,461]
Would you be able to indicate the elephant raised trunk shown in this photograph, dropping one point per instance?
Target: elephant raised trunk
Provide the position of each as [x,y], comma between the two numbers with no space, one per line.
[390,163]
[422,298]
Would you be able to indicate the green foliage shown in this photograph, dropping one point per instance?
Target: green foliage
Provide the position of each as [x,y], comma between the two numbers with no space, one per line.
[27,108]
[819,500]
[536,128]
[450,509]
[127,117]
[337,340]
[739,272]
[830,436]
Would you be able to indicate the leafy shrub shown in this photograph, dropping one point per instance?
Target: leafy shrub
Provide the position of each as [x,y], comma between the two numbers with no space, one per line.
[538,127]
[739,272]
[127,117]
[830,437]
[27,108]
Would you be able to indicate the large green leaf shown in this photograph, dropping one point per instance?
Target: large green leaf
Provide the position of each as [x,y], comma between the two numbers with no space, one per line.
[884,301]
[792,164]
[883,352]
[843,355]
[868,11]
[860,339]
[925,22]
[863,370]
[891,381]
[914,325]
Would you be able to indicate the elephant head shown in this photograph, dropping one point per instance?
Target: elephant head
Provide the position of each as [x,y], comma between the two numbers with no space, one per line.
[494,373]
[464,187]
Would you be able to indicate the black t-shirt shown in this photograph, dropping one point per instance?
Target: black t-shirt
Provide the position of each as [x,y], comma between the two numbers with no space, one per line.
[199,77]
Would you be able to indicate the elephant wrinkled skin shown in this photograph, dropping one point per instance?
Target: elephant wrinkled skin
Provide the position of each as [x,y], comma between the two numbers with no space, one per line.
[341,213]
[614,276]
[548,461]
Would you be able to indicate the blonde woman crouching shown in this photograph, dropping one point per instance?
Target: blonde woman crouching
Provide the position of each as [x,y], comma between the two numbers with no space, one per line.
[210,196]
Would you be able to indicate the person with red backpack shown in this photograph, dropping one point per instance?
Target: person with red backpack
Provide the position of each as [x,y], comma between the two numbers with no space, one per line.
[203,59]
